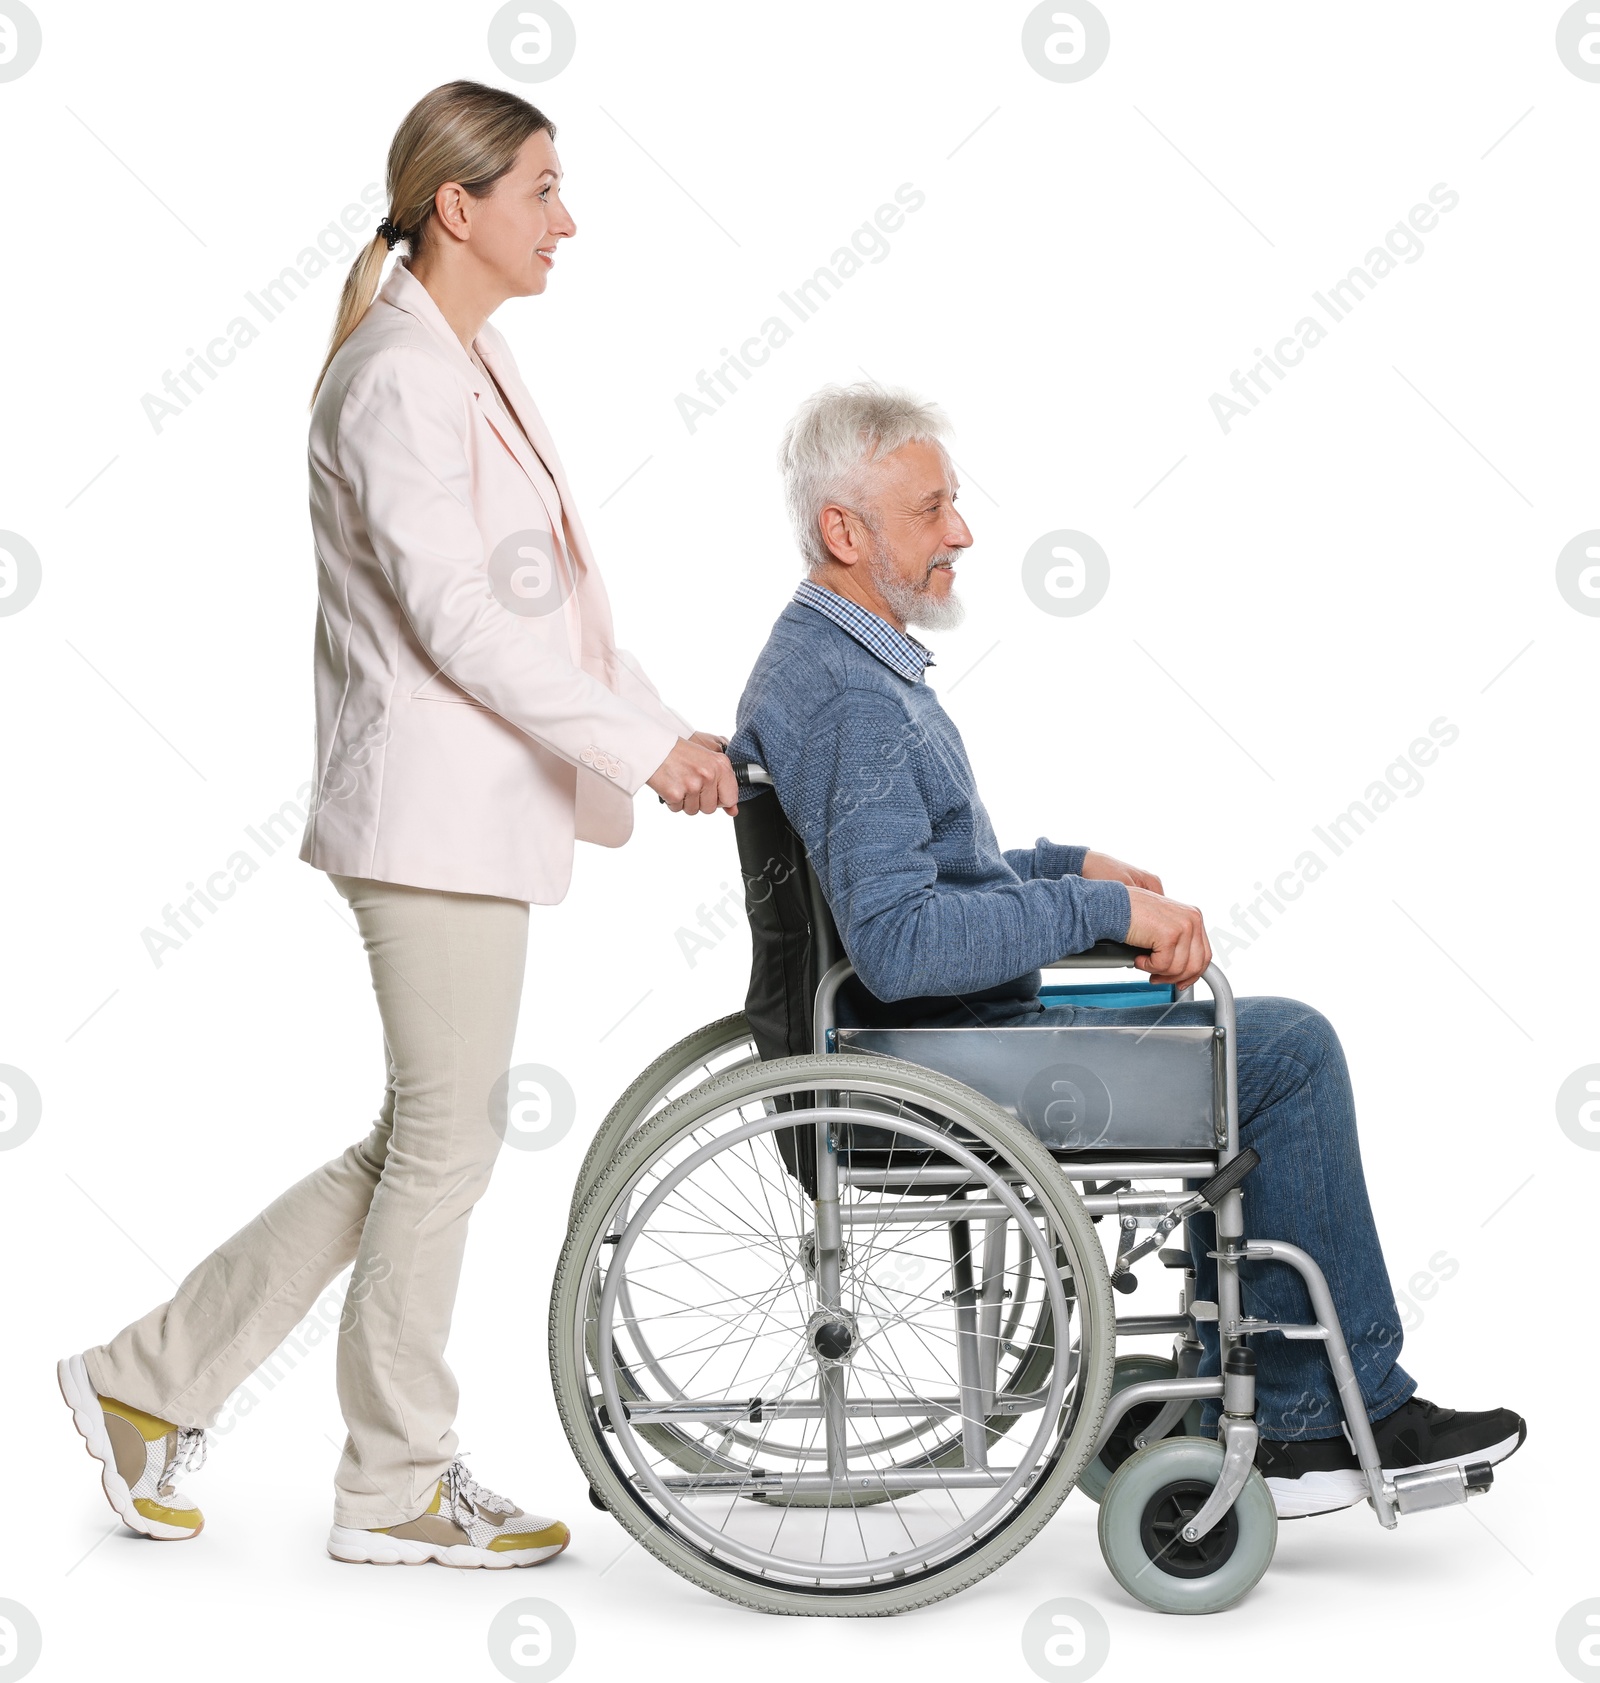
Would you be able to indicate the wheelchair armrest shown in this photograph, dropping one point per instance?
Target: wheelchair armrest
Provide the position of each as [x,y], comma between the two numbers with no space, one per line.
[1103,955]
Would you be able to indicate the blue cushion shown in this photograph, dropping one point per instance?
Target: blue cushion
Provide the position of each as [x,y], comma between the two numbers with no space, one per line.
[1114,996]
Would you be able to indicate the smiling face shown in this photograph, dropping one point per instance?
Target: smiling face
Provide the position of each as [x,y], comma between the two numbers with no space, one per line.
[514,229]
[917,536]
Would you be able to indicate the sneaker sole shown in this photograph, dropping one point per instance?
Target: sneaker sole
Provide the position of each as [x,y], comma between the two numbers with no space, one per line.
[356,1547]
[78,1392]
[1322,1493]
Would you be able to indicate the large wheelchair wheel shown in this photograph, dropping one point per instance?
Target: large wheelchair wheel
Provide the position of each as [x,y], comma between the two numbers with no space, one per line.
[714,1049]
[819,1376]
[722,1045]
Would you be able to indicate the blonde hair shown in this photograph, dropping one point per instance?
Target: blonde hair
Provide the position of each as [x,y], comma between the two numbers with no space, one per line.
[461,131]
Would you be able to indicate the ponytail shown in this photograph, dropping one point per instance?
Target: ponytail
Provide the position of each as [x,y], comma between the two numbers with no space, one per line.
[465,132]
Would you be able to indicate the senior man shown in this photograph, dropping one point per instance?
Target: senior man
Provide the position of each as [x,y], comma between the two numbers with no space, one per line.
[944,928]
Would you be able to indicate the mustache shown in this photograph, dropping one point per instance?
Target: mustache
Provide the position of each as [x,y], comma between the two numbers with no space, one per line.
[947,557]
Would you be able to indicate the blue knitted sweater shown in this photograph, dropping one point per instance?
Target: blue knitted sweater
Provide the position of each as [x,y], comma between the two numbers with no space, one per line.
[874,778]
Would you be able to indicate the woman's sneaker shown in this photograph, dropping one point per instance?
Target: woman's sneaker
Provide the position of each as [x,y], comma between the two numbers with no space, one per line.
[139,1456]
[464,1525]
[1317,1475]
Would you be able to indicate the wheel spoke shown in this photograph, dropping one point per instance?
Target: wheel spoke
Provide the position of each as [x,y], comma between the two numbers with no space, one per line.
[709,1304]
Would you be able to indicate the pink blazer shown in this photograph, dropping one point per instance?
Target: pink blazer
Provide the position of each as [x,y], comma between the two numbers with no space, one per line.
[474,716]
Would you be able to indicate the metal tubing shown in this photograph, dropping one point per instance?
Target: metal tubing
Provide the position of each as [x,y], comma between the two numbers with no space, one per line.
[1140,1326]
[1239,1393]
[1152,1390]
[789,1408]
[833,979]
[1344,1373]
[1230,1234]
[1226,1018]
[891,1478]
[1171,1413]
[1187,1168]
[830,1378]
[912,1210]
[1152,1204]
[991,1297]
[907,1211]
[974,1438]
[821,924]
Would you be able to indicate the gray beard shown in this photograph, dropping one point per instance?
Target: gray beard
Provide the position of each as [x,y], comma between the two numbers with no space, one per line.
[915,604]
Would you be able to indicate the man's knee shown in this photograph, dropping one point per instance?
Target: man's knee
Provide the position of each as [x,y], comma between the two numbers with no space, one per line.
[1269,1022]
[1285,1048]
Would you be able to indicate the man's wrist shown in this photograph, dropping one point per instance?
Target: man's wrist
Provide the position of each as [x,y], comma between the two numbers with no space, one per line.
[1112,909]
[1054,859]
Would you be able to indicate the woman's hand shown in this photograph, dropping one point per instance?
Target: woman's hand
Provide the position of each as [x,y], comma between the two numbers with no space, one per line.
[710,739]
[697,776]
[1101,867]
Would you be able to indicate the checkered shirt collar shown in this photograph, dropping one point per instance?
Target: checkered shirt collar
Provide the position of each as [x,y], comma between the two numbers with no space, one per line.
[895,649]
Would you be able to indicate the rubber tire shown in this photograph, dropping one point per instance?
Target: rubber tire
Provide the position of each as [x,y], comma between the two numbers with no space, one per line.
[570,1295]
[1134,1370]
[1122,1507]
[631,1109]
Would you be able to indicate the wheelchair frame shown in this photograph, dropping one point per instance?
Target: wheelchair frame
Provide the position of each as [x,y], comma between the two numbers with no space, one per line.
[938,1195]
[1168,1211]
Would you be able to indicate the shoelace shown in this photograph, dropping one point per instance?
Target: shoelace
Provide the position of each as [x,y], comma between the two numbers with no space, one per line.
[462,1490]
[191,1441]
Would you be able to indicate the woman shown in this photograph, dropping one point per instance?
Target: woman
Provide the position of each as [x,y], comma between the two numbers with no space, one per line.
[473,718]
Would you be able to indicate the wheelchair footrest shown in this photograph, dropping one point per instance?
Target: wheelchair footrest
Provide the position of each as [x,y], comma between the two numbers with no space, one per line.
[1440,1487]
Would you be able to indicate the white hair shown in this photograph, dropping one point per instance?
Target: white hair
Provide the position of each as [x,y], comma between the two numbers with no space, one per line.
[830,445]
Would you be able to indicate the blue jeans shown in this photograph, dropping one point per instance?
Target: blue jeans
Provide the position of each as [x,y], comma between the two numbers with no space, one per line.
[1297,1110]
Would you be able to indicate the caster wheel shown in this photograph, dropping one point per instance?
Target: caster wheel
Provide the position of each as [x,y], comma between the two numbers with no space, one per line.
[595,1501]
[1150,1498]
[1133,1370]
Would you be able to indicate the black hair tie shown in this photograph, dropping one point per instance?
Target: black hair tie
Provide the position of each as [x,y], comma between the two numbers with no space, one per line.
[389,232]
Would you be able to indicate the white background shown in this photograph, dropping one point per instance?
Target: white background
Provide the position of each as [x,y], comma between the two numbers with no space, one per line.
[1371,549]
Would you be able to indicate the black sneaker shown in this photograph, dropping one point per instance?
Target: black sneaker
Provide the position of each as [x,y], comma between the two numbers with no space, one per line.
[1318,1475]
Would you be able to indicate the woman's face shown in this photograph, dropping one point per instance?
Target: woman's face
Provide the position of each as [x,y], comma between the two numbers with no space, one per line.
[517,225]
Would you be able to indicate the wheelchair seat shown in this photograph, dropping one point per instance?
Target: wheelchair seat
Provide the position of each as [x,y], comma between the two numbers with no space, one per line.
[1085,1091]
[1081,1088]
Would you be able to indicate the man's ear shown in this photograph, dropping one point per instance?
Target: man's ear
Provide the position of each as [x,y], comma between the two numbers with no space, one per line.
[840,534]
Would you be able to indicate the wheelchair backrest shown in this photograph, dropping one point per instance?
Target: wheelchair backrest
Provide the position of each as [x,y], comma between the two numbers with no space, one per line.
[793,939]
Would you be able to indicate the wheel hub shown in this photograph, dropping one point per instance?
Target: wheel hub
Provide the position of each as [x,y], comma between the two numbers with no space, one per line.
[832,1335]
[1161,1531]
[808,1255]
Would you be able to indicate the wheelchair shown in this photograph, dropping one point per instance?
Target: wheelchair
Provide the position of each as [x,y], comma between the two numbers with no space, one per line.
[833,1327]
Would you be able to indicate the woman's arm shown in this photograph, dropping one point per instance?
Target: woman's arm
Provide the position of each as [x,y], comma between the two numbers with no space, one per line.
[637,688]
[402,447]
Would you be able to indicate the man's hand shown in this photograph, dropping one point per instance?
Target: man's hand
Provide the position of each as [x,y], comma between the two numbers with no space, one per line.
[696,777]
[1103,868]
[1175,934]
